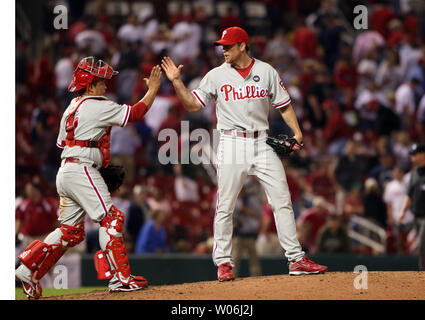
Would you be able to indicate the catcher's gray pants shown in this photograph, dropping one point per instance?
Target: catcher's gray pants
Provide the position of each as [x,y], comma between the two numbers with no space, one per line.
[82,190]
[238,157]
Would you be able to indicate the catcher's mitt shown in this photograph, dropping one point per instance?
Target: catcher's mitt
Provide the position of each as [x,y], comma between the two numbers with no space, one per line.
[284,145]
[113,176]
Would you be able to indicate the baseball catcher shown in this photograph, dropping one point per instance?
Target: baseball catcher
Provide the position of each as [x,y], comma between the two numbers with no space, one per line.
[85,179]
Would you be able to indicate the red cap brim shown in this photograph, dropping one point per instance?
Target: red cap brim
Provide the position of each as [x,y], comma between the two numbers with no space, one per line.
[224,43]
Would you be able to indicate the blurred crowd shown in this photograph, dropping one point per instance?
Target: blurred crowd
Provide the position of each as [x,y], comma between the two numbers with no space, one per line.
[359,96]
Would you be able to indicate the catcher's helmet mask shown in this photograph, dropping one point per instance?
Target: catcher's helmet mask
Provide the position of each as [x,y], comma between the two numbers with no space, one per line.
[89,71]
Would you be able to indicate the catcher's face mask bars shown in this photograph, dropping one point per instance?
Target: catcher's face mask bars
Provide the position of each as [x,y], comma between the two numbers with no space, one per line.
[100,69]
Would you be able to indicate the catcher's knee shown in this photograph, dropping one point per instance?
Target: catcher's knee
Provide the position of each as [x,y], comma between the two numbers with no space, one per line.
[72,235]
[114,220]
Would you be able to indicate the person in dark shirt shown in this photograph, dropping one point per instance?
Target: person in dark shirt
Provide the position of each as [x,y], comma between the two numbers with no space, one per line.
[374,207]
[138,212]
[415,198]
[333,237]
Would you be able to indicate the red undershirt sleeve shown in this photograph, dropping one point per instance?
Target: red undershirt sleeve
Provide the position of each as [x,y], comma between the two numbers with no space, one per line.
[137,111]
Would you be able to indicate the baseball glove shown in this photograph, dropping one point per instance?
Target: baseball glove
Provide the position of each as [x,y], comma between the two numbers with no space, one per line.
[284,145]
[113,176]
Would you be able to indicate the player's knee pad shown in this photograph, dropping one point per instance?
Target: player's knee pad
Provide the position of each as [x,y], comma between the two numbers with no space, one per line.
[72,235]
[113,258]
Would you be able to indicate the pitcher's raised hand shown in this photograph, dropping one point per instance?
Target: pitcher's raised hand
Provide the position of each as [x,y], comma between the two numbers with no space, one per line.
[171,71]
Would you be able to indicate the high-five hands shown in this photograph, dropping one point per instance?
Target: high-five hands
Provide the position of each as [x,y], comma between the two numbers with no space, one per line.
[171,70]
[154,80]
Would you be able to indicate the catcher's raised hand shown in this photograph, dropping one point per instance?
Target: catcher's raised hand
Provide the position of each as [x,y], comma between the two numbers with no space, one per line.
[154,80]
[171,71]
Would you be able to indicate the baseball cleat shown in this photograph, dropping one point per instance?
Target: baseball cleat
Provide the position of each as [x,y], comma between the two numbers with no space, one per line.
[135,283]
[31,289]
[224,272]
[305,266]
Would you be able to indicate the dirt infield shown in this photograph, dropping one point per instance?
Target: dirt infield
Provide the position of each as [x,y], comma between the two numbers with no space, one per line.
[407,285]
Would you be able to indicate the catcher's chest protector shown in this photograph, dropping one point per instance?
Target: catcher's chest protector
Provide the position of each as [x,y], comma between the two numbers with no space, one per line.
[104,143]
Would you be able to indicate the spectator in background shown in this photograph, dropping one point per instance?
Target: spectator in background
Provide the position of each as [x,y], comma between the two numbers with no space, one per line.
[91,40]
[319,91]
[336,130]
[305,41]
[320,182]
[185,188]
[121,198]
[64,70]
[129,32]
[389,74]
[394,193]
[147,25]
[229,19]
[401,150]
[186,39]
[330,38]
[374,207]
[383,171]
[36,216]
[347,173]
[267,241]
[152,236]
[415,198]
[310,222]
[405,105]
[387,120]
[246,224]
[366,41]
[420,119]
[124,143]
[138,212]
[157,201]
[353,204]
[333,237]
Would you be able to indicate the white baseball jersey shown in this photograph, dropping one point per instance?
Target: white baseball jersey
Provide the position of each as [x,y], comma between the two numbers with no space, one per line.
[243,104]
[93,117]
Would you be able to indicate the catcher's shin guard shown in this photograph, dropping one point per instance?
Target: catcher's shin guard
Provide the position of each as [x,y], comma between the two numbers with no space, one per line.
[39,257]
[112,259]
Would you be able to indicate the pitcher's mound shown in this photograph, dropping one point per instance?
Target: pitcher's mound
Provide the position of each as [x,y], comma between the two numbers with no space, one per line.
[408,285]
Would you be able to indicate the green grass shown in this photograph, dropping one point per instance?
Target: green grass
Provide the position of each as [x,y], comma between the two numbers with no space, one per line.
[19,293]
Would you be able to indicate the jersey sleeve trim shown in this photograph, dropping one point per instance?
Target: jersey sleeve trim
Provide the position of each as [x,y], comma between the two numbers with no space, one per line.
[283,104]
[60,145]
[199,99]
[126,116]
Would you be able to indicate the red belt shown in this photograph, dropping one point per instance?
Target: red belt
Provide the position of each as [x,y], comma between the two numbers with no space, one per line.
[243,134]
[76,160]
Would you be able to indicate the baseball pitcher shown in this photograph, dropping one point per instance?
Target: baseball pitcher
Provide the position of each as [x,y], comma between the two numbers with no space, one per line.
[84,137]
[243,89]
